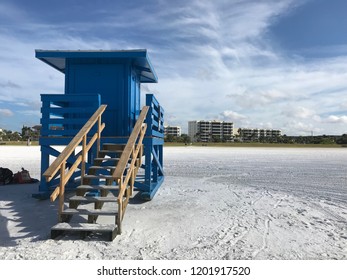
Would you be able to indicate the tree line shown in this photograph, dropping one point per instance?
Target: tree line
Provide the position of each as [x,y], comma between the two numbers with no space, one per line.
[25,134]
[285,139]
[184,138]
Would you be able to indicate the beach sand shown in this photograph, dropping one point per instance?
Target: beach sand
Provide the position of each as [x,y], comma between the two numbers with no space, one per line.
[215,203]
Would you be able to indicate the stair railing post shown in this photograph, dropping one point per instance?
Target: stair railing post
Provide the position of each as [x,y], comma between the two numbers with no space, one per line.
[132,180]
[83,165]
[61,189]
[120,207]
[99,136]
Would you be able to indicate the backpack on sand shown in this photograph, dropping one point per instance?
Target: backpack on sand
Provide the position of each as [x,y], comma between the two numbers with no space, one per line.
[22,177]
[6,176]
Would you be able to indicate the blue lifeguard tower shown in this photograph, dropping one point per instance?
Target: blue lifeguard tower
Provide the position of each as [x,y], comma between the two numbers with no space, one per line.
[93,123]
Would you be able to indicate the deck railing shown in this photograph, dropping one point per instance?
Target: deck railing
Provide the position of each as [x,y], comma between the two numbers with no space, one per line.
[59,164]
[128,165]
[155,117]
[153,143]
[63,115]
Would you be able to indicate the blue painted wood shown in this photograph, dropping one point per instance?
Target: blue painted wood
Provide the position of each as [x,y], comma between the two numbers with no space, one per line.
[139,59]
[103,77]
[153,143]
[73,112]
[56,121]
[156,159]
[47,151]
[79,110]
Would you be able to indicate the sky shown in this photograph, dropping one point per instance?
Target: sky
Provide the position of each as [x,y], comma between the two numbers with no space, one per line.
[279,64]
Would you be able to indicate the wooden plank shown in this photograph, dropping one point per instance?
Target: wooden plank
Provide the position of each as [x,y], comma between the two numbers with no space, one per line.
[110,230]
[130,144]
[72,169]
[83,160]
[100,176]
[103,167]
[55,194]
[57,111]
[98,187]
[100,128]
[92,212]
[84,227]
[57,121]
[157,161]
[112,147]
[59,132]
[157,134]
[107,159]
[111,151]
[93,199]
[61,189]
[92,141]
[87,98]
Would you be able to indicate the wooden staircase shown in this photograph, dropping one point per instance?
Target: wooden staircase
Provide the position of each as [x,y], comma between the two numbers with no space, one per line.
[94,200]
[105,189]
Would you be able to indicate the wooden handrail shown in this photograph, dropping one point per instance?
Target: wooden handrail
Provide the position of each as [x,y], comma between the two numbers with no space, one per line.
[59,164]
[124,159]
[65,154]
[124,172]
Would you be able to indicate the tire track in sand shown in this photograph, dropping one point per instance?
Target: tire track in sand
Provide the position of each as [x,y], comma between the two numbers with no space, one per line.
[265,237]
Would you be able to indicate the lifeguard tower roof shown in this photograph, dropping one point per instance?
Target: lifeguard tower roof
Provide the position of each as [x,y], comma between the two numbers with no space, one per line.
[138,58]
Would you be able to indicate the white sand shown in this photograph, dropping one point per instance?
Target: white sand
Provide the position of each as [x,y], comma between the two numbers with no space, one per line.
[215,203]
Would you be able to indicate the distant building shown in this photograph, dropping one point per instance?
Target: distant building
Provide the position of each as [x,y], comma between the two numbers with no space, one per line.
[210,131]
[255,134]
[172,130]
[192,130]
[37,128]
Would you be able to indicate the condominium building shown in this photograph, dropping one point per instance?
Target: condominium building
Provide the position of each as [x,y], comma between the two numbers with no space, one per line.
[192,130]
[172,130]
[210,131]
[251,134]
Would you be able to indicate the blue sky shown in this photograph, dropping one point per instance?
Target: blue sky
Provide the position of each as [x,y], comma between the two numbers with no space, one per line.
[278,64]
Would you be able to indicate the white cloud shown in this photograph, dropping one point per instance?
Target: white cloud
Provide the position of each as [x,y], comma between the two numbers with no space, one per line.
[6,113]
[301,128]
[232,116]
[222,61]
[301,113]
[9,84]
[30,113]
[337,119]
[268,125]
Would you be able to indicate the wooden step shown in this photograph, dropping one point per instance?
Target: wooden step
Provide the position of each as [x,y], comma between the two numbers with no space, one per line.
[113,147]
[97,187]
[100,176]
[102,167]
[92,212]
[106,159]
[111,151]
[93,198]
[110,230]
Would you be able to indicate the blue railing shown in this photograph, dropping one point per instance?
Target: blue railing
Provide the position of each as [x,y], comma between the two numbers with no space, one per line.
[153,144]
[155,117]
[65,114]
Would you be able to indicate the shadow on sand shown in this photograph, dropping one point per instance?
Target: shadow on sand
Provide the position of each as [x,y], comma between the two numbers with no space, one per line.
[22,216]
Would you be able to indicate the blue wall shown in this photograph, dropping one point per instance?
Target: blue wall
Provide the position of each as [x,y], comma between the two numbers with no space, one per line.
[116,82]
